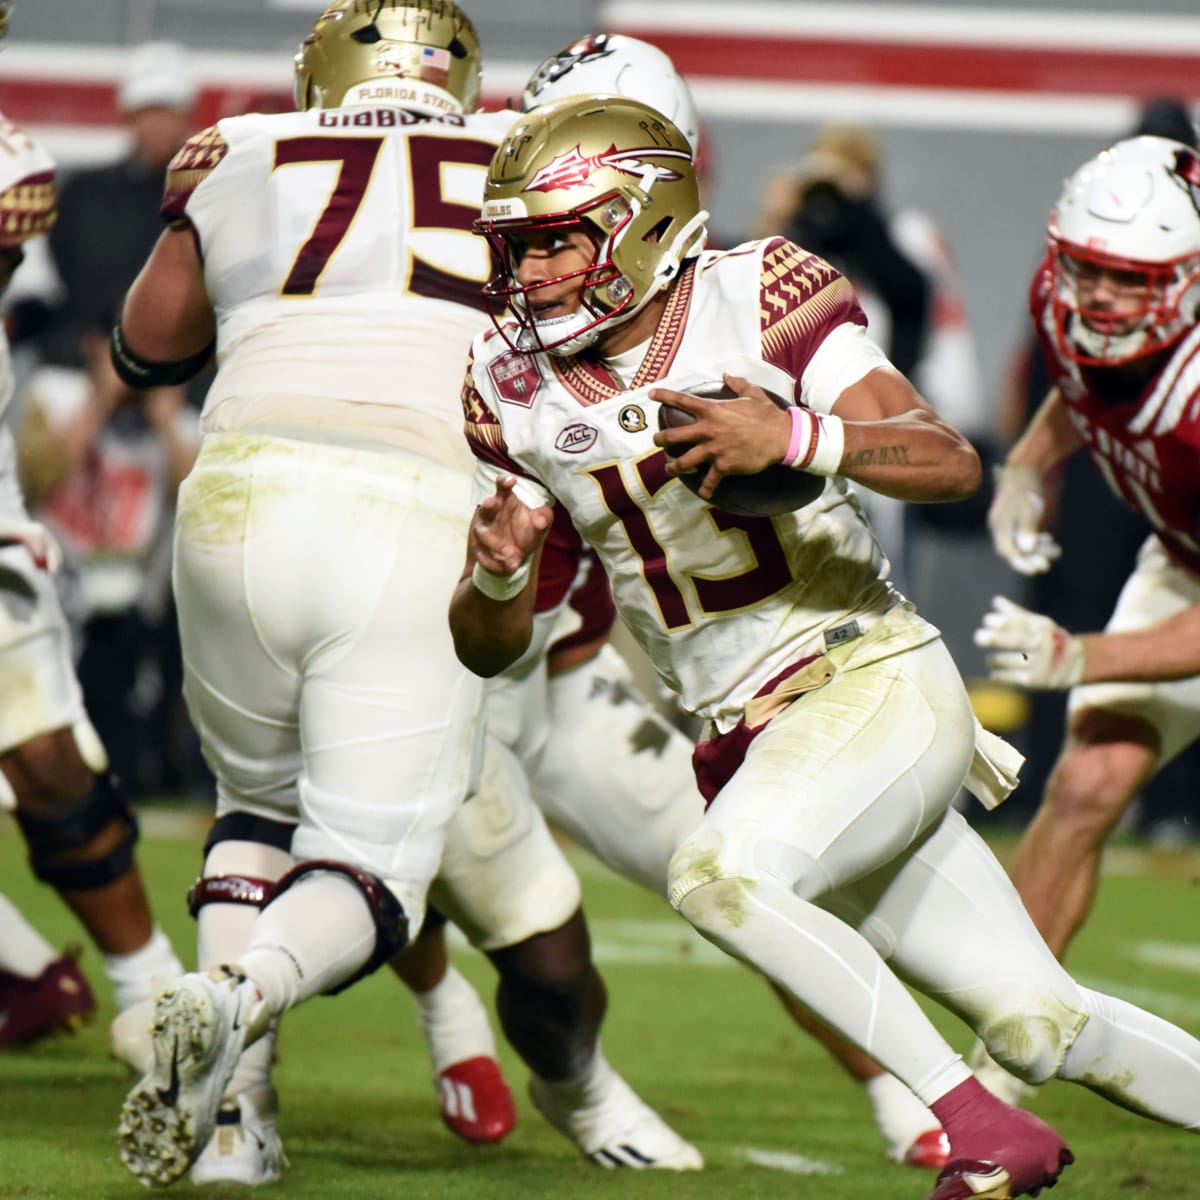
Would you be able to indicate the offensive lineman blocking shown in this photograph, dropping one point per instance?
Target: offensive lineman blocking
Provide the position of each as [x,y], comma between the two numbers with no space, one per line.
[316,545]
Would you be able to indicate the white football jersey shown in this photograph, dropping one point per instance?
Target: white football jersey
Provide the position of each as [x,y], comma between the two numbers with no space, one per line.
[722,604]
[339,258]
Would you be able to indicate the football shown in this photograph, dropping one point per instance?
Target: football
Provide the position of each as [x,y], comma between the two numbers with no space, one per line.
[773,491]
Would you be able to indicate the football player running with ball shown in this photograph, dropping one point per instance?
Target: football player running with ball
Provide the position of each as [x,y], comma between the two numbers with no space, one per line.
[839,729]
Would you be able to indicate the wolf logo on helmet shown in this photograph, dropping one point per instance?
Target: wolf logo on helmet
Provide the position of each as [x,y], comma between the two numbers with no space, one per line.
[1187,167]
[587,49]
[613,64]
[632,187]
[418,53]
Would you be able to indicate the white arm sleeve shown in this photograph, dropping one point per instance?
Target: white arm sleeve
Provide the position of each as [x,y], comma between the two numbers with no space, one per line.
[528,491]
[842,359]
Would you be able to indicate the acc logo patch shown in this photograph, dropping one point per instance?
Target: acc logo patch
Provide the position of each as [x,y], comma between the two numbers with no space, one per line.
[516,378]
[575,439]
[632,419]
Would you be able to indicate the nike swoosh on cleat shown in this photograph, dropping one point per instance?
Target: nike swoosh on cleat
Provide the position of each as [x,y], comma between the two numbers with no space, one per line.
[170,1094]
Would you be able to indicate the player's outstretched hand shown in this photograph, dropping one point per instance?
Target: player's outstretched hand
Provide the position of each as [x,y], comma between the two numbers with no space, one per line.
[1030,649]
[37,539]
[740,436]
[1015,518]
[506,532]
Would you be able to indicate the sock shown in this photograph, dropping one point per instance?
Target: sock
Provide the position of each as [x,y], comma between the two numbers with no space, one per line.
[901,1117]
[223,930]
[454,1021]
[315,936]
[139,975]
[586,1089]
[23,951]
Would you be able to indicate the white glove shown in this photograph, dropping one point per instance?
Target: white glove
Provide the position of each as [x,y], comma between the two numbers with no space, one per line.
[1030,649]
[37,539]
[1015,517]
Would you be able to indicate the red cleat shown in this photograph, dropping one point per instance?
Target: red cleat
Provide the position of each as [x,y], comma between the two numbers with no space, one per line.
[476,1103]
[58,1000]
[931,1151]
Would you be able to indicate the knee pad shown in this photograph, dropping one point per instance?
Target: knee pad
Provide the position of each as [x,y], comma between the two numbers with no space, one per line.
[230,888]
[391,922]
[716,907]
[1033,1044]
[49,834]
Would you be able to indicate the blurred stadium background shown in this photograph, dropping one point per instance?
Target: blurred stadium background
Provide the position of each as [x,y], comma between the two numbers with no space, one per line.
[981,108]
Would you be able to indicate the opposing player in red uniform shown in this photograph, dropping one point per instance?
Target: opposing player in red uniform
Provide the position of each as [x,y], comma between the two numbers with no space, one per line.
[1116,304]
[839,728]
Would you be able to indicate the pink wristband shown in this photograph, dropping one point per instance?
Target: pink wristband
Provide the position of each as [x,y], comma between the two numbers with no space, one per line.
[800,429]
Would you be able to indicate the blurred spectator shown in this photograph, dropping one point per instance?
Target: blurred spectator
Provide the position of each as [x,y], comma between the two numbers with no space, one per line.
[101,470]
[1100,537]
[108,216]
[904,273]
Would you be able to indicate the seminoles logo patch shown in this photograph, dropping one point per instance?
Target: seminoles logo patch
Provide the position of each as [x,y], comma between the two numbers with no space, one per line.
[589,49]
[576,438]
[516,378]
[1187,167]
[575,168]
[632,419]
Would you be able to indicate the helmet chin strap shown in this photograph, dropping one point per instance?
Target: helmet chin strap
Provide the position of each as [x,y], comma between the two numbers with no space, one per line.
[536,338]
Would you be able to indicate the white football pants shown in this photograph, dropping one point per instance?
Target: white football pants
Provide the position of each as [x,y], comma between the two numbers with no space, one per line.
[312,583]
[834,848]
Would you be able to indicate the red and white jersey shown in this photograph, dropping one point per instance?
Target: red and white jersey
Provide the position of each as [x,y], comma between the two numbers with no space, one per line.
[1148,447]
[340,262]
[28,206]
[721,604]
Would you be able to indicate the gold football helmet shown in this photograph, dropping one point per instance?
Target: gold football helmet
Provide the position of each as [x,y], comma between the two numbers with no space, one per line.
[5,13]
[613,167]
[408,53]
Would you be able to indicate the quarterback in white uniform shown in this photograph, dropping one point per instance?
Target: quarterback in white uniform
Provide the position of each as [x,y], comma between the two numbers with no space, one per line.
[327,256]
[839,728]
[53,769]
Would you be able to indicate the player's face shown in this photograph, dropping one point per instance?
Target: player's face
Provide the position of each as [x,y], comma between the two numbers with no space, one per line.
[542,258]
[1112,300]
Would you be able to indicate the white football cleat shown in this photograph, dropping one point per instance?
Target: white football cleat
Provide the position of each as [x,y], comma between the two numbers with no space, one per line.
[614,1127]
[201,1023]
[245,1147]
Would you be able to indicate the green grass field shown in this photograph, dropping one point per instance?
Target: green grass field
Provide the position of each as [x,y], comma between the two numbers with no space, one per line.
[699,1037]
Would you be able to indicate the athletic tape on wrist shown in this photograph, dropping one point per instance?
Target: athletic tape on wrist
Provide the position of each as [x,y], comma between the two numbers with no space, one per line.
[501,587]
[817,442]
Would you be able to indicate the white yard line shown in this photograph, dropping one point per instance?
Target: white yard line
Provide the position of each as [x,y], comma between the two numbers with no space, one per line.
[794,1164]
